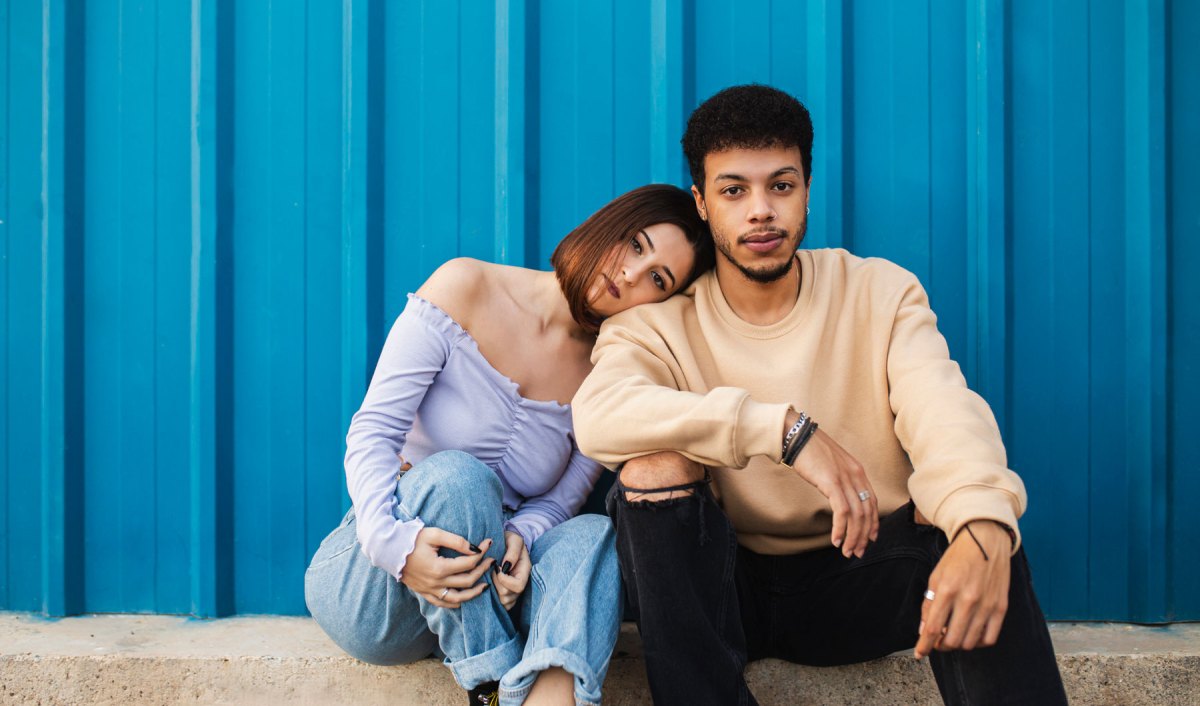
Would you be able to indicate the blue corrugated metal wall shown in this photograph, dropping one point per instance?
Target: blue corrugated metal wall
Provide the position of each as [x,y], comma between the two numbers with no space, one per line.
[210,212]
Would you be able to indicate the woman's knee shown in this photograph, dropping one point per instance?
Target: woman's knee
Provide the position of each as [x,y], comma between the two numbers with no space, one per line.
[453,473]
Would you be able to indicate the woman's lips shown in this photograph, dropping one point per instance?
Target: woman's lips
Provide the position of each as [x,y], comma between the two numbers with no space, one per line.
[612,288]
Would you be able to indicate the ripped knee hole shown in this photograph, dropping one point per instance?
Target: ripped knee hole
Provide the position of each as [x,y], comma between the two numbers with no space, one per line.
[652,496]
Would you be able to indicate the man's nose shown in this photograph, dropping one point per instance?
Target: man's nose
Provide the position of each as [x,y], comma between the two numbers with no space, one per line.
[760,208]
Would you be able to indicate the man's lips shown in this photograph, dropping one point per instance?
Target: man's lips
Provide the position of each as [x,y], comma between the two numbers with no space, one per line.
[763,242]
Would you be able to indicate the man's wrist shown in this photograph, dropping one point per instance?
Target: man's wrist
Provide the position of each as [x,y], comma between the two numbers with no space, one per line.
[993,532]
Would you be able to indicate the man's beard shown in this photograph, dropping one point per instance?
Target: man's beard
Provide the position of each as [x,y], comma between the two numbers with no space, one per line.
[767,274]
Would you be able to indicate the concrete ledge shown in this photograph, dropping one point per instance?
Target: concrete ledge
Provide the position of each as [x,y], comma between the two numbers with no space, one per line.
[169,660]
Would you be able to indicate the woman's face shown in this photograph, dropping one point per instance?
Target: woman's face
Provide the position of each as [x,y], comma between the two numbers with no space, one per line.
[649,268]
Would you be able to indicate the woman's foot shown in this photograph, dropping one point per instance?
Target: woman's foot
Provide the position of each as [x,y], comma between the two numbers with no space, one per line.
[486,694]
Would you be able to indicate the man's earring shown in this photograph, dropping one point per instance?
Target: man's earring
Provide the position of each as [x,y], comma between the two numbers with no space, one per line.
[807,210]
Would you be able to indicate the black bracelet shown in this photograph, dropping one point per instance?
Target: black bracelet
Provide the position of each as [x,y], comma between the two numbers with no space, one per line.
[801,440]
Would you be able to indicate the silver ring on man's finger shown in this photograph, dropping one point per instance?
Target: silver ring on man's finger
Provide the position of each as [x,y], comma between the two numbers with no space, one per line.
[864,495]
[445,590]
[929,594]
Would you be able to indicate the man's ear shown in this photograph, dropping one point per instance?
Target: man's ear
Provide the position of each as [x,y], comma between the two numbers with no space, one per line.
[699,203]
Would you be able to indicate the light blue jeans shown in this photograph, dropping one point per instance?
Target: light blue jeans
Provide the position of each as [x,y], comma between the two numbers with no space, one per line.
[568,615]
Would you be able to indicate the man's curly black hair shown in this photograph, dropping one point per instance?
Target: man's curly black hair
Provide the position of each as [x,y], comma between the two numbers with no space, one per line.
[747,117]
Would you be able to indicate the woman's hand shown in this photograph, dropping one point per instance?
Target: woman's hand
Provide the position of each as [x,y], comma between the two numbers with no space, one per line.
[513,573]
[445,582]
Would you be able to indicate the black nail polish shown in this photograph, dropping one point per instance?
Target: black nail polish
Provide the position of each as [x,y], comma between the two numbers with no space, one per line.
[475,549]
[495,569]
[507,567]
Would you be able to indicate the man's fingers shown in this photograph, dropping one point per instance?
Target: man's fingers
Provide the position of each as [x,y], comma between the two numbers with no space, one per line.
[841,519]
[959,621]
[933,620]
[991,632]
[975,631]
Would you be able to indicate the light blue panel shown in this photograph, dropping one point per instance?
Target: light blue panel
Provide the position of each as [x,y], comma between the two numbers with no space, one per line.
[948,183]
[269,313]
[1050,310]
[119,263]
[648,107]
[476,133]
[576,172]
[1108,514]
[1146,301]
[1184,225]
[361,259]
[515,135]
[172,247]
[891,98]
[210,350]
[822,89]
[325,498]
[420,138]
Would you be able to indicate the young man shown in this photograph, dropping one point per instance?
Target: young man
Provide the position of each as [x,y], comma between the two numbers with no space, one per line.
[769,417]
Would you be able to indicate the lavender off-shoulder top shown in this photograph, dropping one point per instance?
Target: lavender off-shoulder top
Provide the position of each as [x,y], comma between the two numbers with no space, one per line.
[434,391]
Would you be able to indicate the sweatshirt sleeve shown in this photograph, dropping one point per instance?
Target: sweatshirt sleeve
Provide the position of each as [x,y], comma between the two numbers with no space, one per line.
[631,405]
[560,503]
[412,357]
[960,466]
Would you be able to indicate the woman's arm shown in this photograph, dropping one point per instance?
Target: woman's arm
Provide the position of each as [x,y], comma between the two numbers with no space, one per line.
[560,503]
[412,356]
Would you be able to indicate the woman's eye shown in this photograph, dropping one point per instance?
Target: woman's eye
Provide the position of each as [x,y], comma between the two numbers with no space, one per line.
[636,245]
[659,281]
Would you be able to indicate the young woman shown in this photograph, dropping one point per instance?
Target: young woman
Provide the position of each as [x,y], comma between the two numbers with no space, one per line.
[464,473]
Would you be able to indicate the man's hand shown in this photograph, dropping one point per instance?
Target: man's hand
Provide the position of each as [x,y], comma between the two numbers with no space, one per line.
[445,582]
[513,574]
[970,591]
[840,477]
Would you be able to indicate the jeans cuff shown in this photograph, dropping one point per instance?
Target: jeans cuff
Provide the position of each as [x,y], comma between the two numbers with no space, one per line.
[486,666]
[515,685]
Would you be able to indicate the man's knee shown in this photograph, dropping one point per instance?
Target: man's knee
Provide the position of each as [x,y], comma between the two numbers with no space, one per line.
[658,471]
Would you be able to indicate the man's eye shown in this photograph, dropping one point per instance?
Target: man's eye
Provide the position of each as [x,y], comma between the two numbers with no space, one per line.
[783,186]
[733,191]
[659,281]
[636,245]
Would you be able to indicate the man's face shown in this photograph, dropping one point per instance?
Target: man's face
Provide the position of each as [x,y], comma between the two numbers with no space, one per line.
[754,201]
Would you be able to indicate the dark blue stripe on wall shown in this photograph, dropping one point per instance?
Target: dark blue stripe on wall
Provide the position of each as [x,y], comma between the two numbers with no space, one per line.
[62,433]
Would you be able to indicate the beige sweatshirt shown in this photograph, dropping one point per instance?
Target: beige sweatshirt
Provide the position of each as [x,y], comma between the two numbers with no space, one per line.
[860,352]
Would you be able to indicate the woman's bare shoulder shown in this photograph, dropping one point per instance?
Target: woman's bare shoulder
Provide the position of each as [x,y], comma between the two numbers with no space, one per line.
[464,286]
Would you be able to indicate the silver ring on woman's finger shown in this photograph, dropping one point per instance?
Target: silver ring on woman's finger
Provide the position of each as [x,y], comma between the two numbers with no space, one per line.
[929,595]
[447,590]
[864,495]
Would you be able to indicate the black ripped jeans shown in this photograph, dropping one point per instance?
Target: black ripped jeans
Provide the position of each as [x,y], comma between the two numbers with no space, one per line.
[706,606]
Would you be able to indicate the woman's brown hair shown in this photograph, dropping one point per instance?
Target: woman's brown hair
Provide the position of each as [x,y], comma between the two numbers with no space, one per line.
[581,254]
